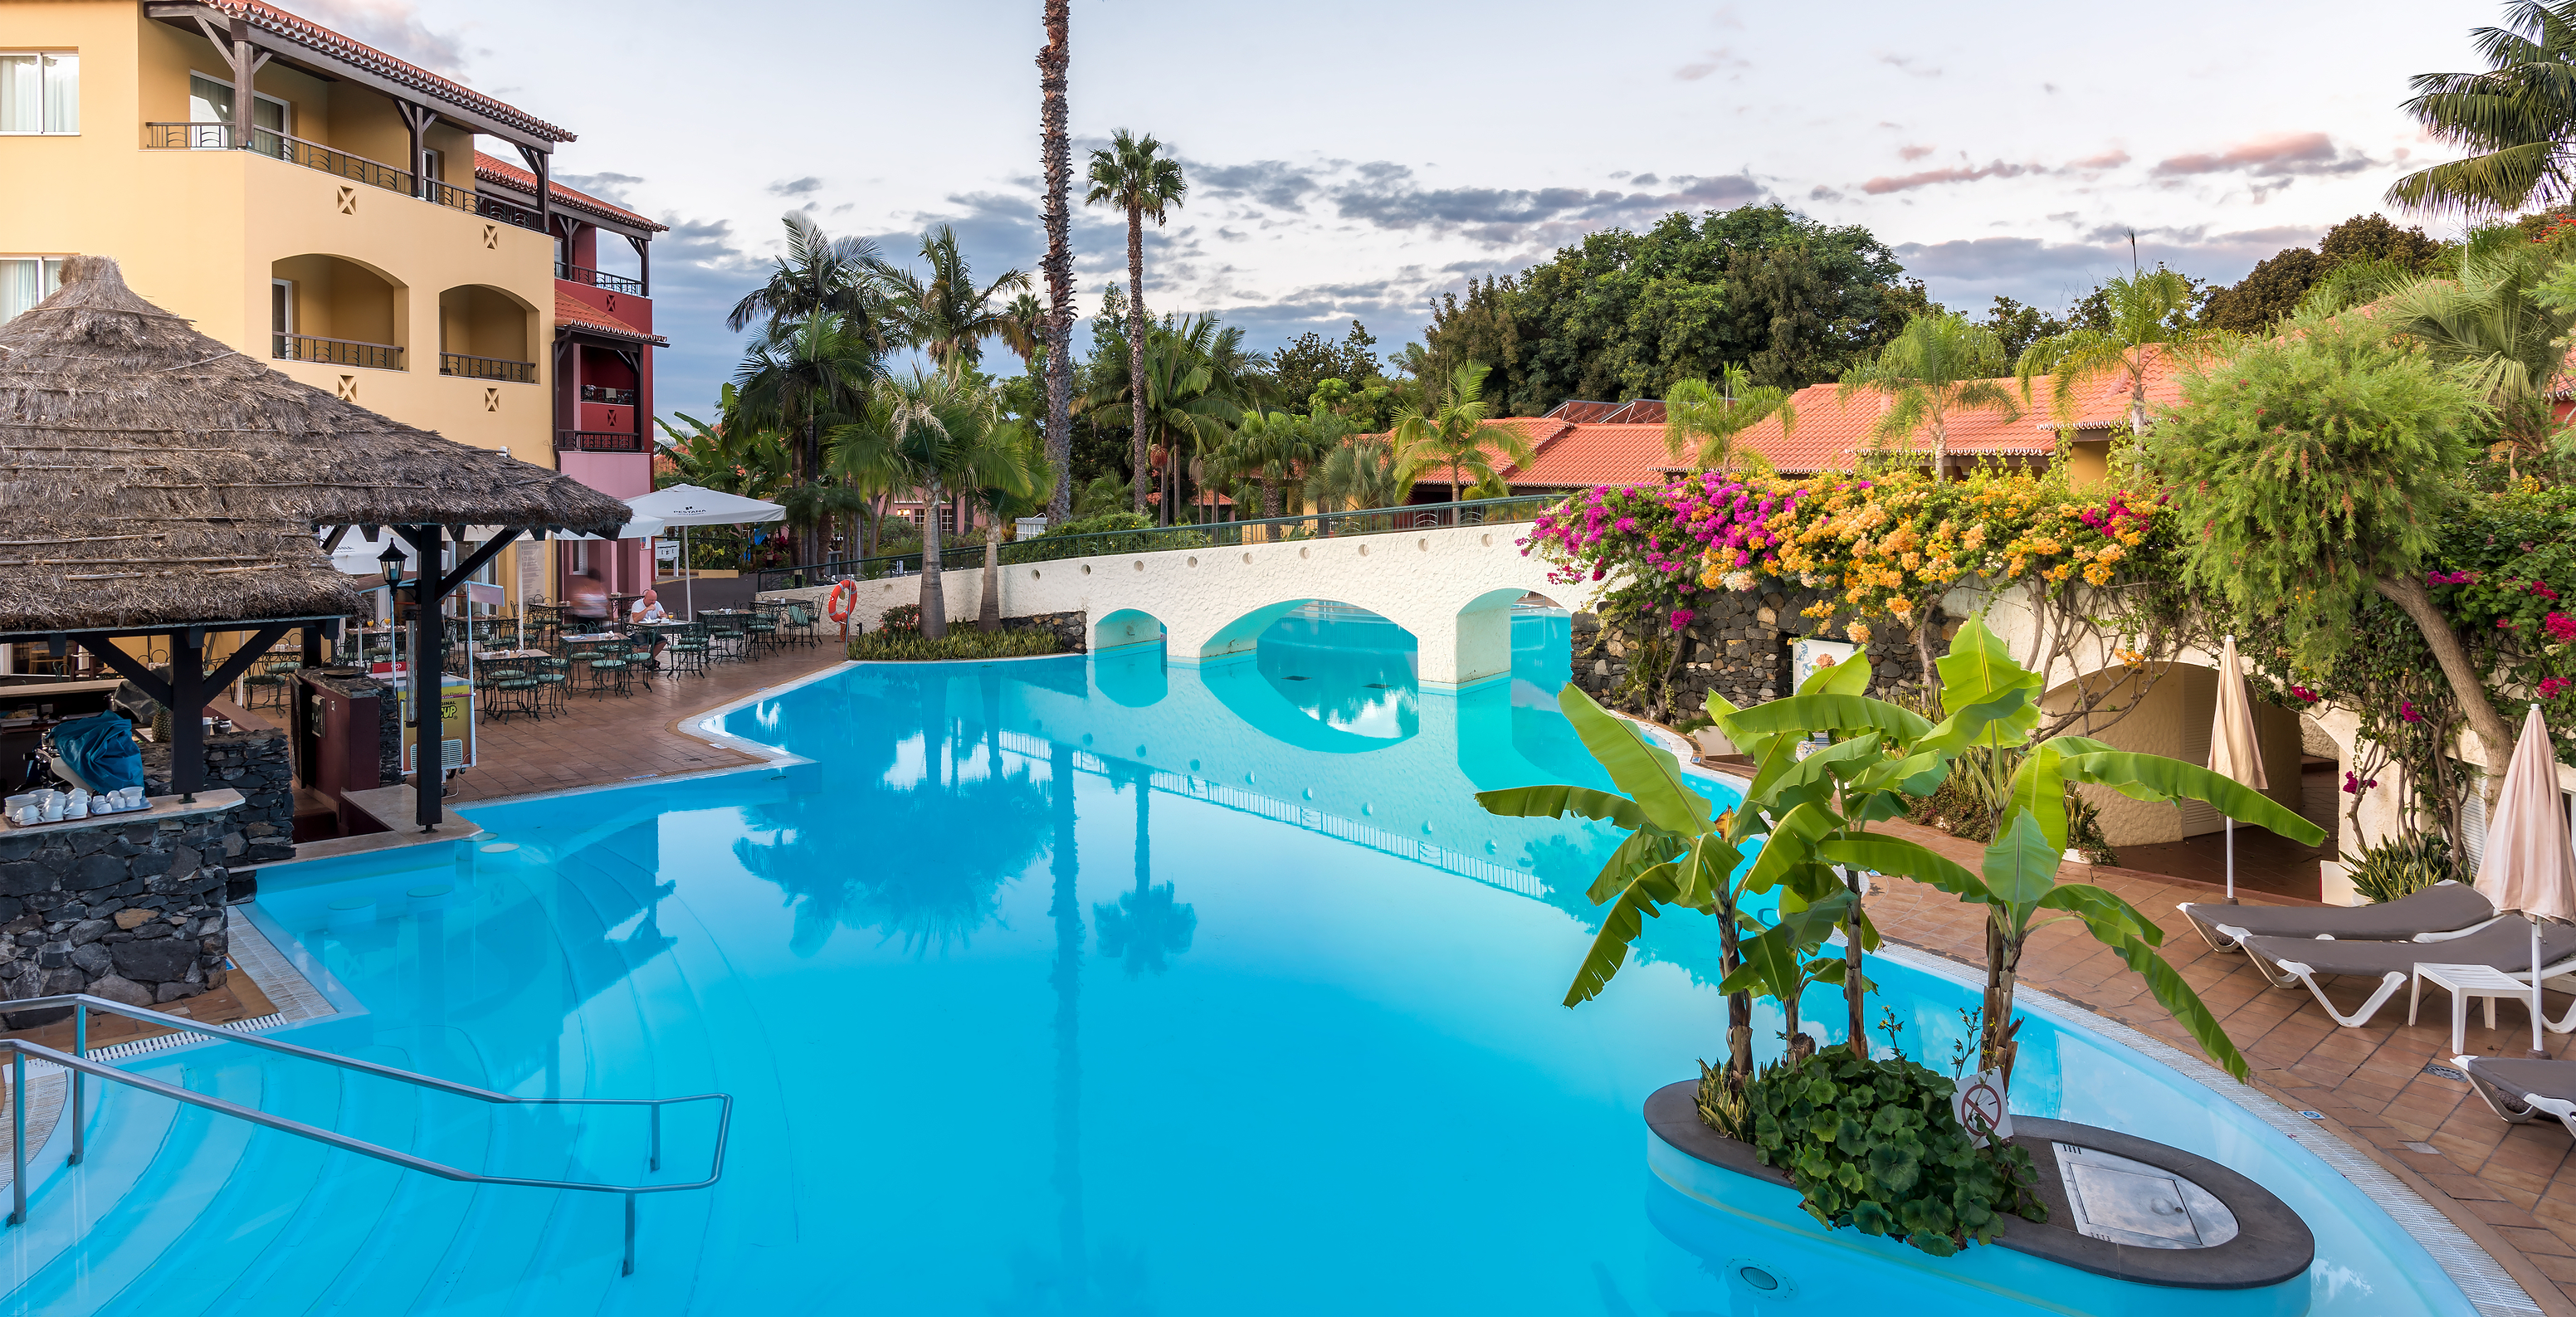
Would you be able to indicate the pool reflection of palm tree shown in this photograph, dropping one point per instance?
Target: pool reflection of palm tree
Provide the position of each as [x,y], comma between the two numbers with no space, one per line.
[1144,927]
[923,863]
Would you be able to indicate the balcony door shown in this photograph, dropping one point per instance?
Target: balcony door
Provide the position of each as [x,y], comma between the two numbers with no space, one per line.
[210,102]
[281,314]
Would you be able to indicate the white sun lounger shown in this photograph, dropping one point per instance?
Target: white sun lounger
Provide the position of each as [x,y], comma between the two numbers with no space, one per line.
[2445,907]
[2520,1088]
[2504,944]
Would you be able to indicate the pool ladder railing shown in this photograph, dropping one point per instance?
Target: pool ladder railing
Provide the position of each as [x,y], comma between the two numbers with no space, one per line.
[78,1062]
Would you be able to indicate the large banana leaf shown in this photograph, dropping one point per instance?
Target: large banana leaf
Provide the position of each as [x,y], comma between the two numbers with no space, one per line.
[1707,872]
[1778,755]
[1772,963]
[1555,802]
[1894,855]
[1640,851]
[1628,916]
[1646,772]
[1720,709]
[1813,777]
[1973,724]
[2101,910]
[2038,792]
[2180,1002]
[1850,677]
[2132,773]
[2020,867]
[1977,669]
[1830,713]
[1792,842]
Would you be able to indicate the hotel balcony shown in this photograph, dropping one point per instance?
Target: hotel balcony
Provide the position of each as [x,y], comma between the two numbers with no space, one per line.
[337,163]
[600,441]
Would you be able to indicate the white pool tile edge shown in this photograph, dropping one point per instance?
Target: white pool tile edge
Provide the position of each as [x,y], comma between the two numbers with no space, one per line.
[2488,1287]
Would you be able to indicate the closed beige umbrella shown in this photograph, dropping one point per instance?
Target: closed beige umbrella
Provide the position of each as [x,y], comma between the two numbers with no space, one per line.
[2529,867]
[2233,753]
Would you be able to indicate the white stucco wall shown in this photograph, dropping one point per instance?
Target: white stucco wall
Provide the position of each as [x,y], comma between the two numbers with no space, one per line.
[1451,587]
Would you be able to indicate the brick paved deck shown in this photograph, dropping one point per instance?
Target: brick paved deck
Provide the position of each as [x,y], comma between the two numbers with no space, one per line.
[605,740]
[2513,1188]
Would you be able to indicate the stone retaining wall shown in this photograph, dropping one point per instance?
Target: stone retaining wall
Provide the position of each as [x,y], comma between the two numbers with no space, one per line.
[133,912]
[1737,644]
[256,765]
[1072,630]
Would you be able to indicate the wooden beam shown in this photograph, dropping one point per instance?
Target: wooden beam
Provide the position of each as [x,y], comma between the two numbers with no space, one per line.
[103,647]
[261,641]
[473,563]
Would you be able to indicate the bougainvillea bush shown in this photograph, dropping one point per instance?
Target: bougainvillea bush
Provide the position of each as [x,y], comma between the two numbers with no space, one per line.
[1880,546]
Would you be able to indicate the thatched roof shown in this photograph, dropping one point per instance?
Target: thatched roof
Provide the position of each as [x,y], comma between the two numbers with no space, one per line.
[150,475]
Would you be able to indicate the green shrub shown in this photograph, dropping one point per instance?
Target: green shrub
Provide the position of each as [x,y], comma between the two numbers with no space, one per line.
[901,618]
[962,643]
[1113,532]
[2403,865]
[1873,1145]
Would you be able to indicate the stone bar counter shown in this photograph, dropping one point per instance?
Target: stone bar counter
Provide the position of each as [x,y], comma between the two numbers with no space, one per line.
[129,907]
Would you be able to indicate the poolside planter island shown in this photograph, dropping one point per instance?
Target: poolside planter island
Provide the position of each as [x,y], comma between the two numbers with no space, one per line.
[2139,1255]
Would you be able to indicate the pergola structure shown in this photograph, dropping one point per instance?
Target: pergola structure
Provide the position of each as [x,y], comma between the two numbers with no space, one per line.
[156,483]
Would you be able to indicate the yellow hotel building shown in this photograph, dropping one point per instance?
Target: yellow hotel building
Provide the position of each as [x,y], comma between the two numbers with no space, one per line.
[343,222]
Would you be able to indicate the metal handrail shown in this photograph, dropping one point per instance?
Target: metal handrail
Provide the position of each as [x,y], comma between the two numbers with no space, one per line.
[582,274]
[76,1061]
[337,351]
[487,368]
[1184,535]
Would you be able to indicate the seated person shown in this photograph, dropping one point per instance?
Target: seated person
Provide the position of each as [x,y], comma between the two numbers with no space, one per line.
[648,608]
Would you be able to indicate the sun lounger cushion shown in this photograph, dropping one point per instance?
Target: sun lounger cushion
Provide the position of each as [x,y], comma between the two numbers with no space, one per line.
[2436,909]
[2505,944]
[2525,1084]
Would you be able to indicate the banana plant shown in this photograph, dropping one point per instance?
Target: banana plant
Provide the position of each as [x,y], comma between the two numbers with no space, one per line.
[1991,701]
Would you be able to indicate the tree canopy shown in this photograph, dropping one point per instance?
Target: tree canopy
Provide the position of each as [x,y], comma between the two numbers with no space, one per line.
[2282,280]
[1625,314]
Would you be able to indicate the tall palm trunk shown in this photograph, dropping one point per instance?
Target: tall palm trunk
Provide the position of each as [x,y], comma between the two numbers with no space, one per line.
[1057,152]
[934,600]
[988,613]
[1940,447]
[1136,348]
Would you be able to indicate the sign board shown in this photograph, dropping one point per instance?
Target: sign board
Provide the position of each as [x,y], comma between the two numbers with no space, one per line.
[1982,1108]
[456,722]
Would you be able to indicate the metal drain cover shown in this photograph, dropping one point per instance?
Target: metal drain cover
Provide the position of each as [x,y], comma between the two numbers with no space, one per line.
[2130,1202]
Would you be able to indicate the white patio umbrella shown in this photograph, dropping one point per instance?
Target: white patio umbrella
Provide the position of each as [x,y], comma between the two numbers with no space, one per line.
[2529,867]
[2233,752]
[691,505]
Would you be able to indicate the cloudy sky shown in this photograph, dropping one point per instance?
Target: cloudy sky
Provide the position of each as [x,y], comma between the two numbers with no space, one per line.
[1352,159]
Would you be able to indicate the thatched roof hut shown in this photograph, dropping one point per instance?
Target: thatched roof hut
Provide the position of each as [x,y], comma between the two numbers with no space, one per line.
[151,476]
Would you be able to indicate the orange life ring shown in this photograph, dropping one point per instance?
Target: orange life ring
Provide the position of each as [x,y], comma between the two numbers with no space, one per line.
[844,598]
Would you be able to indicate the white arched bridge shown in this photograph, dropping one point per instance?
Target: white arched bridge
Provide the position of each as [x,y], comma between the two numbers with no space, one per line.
[1451,587]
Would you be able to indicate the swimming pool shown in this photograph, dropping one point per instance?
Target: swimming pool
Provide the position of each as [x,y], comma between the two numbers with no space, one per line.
[1077,985]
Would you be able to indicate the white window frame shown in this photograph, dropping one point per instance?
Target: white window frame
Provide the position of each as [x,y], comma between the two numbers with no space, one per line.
[285,109]
[40,261]
[42,99]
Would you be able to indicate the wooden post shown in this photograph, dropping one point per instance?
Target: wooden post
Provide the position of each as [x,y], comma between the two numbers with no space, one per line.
[187,713]
[428,657]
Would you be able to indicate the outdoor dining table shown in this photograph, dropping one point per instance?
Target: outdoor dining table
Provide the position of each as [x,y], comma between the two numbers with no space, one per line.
[593,638]
[503,655]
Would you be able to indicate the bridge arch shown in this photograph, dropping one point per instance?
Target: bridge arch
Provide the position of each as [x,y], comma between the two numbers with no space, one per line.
[1126,626]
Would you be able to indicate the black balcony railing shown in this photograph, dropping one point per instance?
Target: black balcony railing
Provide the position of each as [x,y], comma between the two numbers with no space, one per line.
[490,207]
[615,283]
[311,155]
[969,553]
[487,368]
[616,397]
[337,351]
[598,441]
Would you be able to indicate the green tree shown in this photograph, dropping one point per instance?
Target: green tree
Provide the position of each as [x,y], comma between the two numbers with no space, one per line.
[1703,420]
[1134,175]
[2140,315]
[2515,116]
[1361,472]
[942,312]
[1459,434]
[2281,282]
[2319,466]
[936,432]
[1272,447]
[1055,152]
[1018,482]
[2495,324]
[2017,326]
[1480,329]
[1310,359]
[817,272]
[1939,366]
[804,377]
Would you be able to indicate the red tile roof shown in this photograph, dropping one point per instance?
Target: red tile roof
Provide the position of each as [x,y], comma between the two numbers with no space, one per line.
[493,169]
[304,32]
[573,313]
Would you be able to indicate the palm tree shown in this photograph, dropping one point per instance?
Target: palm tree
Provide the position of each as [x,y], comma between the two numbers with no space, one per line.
[1022,327]
[1026,482]
[1705,419]
[1459,434]
[1132,174]
[1938,365]
[1055,153]
[804,376]
[1363,472]
[2516,116]
[2507,341]
[938,432]
[1272,447]
[818,273]
[2150,314]
[945,314]
[1178,371]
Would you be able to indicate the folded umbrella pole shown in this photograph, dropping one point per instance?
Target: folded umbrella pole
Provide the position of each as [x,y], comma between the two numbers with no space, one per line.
[2529,865]
[2233,752]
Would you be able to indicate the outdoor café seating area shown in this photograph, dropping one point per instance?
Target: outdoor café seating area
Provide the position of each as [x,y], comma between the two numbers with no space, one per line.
[529,665]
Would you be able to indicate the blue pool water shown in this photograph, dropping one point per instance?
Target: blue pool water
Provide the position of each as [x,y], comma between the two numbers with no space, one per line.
[1080,985]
